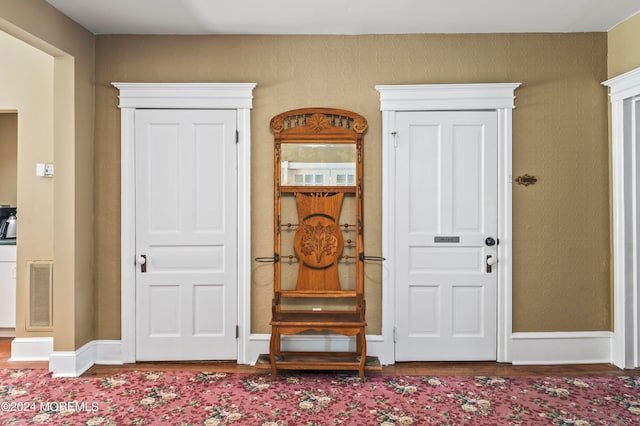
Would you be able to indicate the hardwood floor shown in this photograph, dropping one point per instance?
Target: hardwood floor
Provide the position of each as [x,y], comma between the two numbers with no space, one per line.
[403,368]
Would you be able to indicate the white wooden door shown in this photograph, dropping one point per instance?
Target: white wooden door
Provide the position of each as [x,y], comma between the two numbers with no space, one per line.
[446,209]
[186,292]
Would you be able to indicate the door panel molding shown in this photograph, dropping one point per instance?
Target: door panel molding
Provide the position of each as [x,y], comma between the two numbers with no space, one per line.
[498,97]
[133,96]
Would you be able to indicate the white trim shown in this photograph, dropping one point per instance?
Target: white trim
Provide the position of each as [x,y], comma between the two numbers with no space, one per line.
[437,97]
[108,352]
[591,347]
[624,86]
[433,97]
[186,95]
[74,363]
[527,349]
[244,233]
[31,349]
[7,332]
[176,96]
[259,344]
[625,106]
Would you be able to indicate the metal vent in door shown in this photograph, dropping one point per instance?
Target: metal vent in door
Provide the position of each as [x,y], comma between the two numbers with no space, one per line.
[40,306]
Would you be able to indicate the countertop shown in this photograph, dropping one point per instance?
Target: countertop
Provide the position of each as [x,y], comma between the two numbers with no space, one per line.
[11,242]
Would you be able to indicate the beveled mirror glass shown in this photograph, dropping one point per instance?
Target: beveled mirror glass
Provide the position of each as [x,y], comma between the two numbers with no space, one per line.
[317,164]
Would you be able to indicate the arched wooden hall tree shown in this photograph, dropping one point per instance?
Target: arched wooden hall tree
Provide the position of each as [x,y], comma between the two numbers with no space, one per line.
[318,238]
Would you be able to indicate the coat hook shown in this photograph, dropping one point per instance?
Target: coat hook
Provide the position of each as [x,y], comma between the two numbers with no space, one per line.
[526,180]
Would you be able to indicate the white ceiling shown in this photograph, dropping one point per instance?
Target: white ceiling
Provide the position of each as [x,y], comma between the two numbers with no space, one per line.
[345,16]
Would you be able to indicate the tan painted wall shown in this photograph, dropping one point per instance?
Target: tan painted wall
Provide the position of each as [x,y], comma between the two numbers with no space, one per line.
[63,229]
[8,158]
[561,224]
[623,42]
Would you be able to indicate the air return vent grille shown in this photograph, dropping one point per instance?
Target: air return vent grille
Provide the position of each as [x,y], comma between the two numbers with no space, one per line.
[40,306]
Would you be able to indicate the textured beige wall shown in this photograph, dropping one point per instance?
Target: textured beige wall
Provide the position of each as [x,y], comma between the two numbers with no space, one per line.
[8,158]
[62,229]
[623,51]
[561,276]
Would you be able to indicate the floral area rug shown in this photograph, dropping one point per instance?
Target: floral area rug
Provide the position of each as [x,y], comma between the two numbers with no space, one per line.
[185,398]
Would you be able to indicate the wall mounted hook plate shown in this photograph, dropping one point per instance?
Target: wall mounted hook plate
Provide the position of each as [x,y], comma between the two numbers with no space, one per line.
[526,180]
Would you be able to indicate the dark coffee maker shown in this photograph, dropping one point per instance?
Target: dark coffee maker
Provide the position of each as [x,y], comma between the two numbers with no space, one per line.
[7,212]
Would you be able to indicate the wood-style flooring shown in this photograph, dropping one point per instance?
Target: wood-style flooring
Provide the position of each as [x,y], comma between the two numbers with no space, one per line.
[402,368]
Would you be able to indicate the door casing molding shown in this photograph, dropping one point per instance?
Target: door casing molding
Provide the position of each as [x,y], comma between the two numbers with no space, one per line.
[238,96]
[498,97]
[625,109]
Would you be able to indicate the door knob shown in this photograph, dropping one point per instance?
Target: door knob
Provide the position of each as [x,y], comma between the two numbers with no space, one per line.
[490,262]
[142,261]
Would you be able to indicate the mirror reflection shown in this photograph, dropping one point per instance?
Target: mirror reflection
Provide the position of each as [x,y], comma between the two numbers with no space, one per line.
[317,164]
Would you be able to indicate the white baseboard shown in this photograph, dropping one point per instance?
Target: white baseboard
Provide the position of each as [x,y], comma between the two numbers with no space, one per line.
[259,344]
[7,332]
[108,352]
[583,347]
[74,363]
[71,363]
[526,348]
[31,349]
[591,347]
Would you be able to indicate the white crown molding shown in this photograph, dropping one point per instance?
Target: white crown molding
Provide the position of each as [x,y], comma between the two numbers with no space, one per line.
[186,95]
[625,85]
[433,97]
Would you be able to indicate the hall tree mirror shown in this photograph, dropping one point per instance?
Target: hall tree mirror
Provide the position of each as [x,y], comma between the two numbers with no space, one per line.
[317,164]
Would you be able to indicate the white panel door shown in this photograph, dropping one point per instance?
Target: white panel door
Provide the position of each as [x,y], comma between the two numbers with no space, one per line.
[446,209]
[186,290]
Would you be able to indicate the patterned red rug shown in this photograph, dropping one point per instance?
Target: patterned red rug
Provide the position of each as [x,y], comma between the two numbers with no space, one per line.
[32,396]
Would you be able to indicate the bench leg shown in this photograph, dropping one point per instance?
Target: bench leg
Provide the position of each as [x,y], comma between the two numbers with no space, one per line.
[274,350]
[362,350]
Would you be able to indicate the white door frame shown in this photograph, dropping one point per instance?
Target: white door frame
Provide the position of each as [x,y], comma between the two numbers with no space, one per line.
[132,96]
[448,97]
[625,108]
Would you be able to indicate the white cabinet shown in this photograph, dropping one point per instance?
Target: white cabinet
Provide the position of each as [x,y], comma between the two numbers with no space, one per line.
[7,286]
